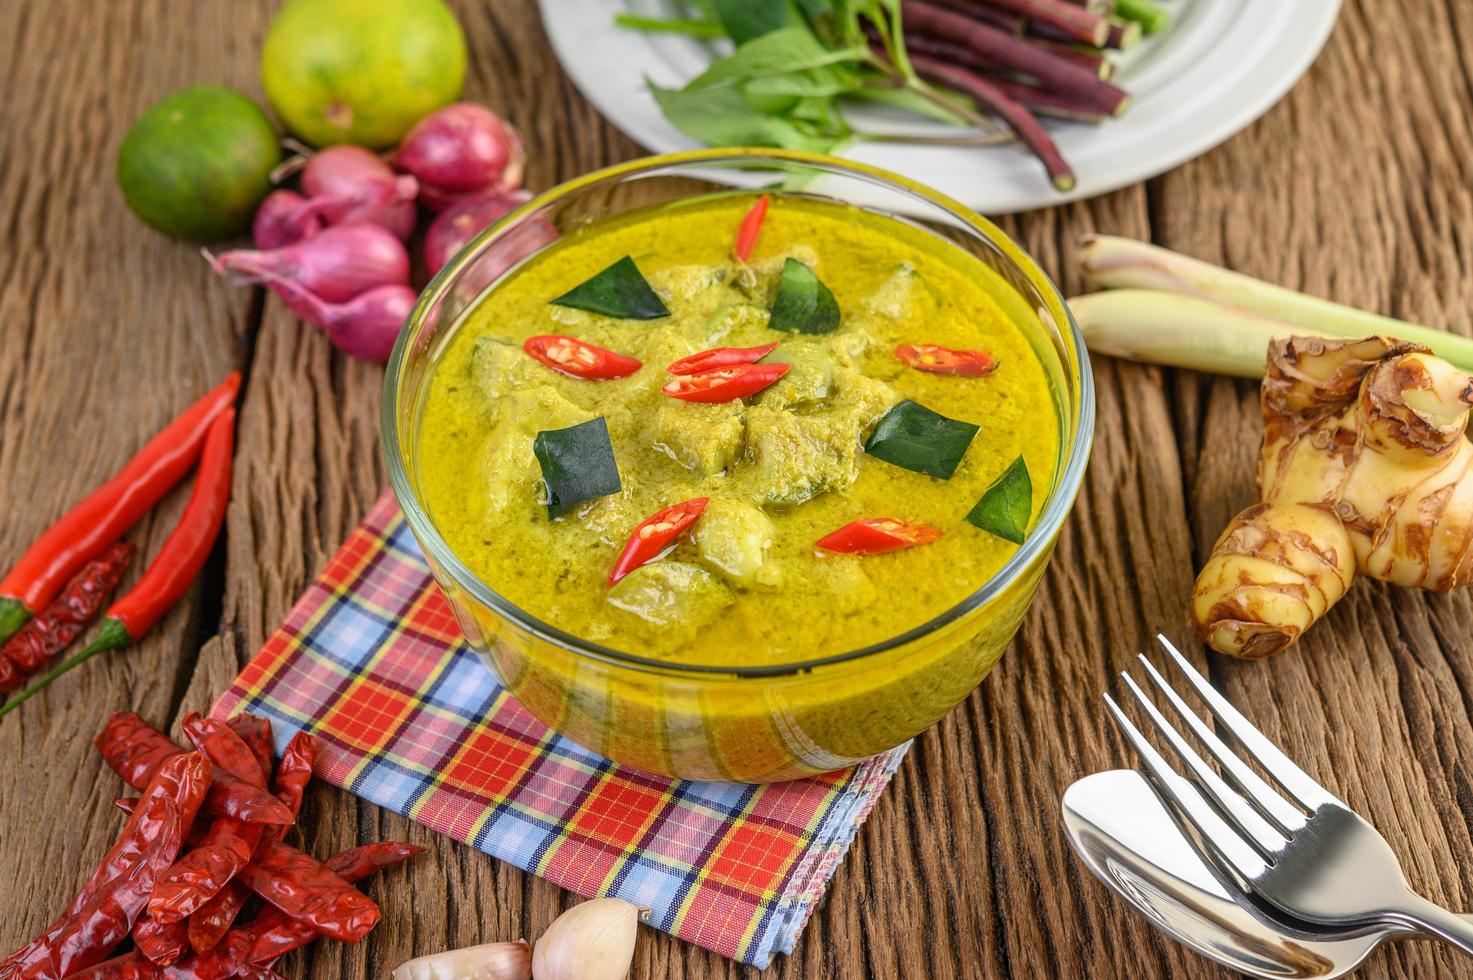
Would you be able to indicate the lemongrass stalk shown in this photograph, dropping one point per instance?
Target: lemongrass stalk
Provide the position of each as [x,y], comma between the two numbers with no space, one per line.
[1185,331]
[1178,331]
[1124,263]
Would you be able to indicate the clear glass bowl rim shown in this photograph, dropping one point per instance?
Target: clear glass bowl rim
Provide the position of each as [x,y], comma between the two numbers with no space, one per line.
[1055,510]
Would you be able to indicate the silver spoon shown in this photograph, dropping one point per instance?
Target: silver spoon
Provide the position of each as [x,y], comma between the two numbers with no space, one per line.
[1124,835]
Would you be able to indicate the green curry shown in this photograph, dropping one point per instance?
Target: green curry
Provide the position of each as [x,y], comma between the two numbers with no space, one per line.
[782,468]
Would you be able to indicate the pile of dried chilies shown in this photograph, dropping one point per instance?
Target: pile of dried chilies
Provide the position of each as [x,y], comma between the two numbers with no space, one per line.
[204,839]
[58,586]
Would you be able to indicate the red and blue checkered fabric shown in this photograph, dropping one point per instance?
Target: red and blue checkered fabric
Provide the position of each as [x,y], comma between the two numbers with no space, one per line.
[372,663]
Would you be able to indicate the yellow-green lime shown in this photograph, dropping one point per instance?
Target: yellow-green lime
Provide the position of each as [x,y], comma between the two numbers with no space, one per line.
[361,71]
[197,163]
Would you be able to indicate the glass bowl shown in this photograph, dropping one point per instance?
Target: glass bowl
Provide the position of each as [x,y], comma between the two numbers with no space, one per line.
[767,722]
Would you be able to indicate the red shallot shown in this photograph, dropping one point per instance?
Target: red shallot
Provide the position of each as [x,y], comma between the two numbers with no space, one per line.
[335,265]
[364,326]
[281,220]
[465,219]
[348,183]
[461,149]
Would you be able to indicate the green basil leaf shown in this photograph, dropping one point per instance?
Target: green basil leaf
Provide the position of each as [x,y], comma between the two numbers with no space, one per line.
[747,19]
[577,465]
[722,116]
[912,436]
[803,303]
[1006,506]
[618,291]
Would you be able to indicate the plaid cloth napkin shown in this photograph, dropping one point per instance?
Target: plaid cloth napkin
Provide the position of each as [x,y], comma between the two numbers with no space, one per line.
[372,662]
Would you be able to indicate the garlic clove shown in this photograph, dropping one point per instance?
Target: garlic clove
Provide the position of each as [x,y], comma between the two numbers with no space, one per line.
[491,961]
[591,941]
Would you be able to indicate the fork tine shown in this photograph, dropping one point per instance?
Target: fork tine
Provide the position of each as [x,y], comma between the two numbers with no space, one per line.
[1229,850]
[1236,810]
[1264,797]
[1310,794]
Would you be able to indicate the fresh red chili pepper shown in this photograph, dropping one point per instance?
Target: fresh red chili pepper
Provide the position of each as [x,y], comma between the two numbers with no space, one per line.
[102,914]
[56,626]
[209,924]
[104,515]
[161,943]
[579,359]
[305,888]
[751,227]
[222,746]
[135,749]
[718,357]
[877,535]
[254,731]
[944,360]
[173,569]
[725,384]
[655,533]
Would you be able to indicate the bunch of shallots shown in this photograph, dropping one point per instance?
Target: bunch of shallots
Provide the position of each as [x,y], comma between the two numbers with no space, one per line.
[335,250]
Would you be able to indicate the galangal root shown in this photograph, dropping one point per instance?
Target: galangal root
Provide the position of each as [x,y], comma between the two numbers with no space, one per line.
[1364,470]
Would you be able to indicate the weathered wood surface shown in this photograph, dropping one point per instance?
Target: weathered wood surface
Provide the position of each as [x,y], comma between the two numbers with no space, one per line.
[1357,187]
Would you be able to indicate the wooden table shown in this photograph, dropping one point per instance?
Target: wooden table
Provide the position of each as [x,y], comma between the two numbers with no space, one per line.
[1359,187]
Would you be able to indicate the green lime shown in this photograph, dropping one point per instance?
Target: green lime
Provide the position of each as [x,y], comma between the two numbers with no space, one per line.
[361,71]
[197,163]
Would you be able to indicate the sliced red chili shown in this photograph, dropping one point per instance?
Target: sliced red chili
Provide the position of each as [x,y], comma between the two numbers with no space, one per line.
[718,357]
[578,359]
[725,384]
[877,535]
[751,227]
[654,533]
[944,360]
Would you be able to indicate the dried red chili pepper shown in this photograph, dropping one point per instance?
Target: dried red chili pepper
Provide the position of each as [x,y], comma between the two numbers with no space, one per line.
[654,534]
[209,924]
[725,384]
[255,731]
[943,360]
[161,943]
[305,888]
[273,933]
[720,357]
[294,773]
[103,912]
[581,360]
[129,966]
[134,749]
[104,515]
[172,570]
[198,875]
[877,535]
[751,227]
[64,617]
[222,746]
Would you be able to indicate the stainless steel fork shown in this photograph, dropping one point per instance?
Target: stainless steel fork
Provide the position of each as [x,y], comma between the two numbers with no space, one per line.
[1301,850]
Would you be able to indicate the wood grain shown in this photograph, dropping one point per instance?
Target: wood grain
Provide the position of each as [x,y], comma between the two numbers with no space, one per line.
[1356,187]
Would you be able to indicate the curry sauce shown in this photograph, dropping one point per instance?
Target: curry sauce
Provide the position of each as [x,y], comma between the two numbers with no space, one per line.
[783,467]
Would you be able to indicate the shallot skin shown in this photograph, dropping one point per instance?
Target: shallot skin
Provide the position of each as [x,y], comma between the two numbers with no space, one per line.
[461,149]
[282,219]
[348,183]
[464,220]
[335,264]
[365,326]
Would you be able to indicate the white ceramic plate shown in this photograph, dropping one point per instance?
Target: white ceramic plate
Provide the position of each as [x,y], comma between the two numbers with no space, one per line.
[1218,66]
